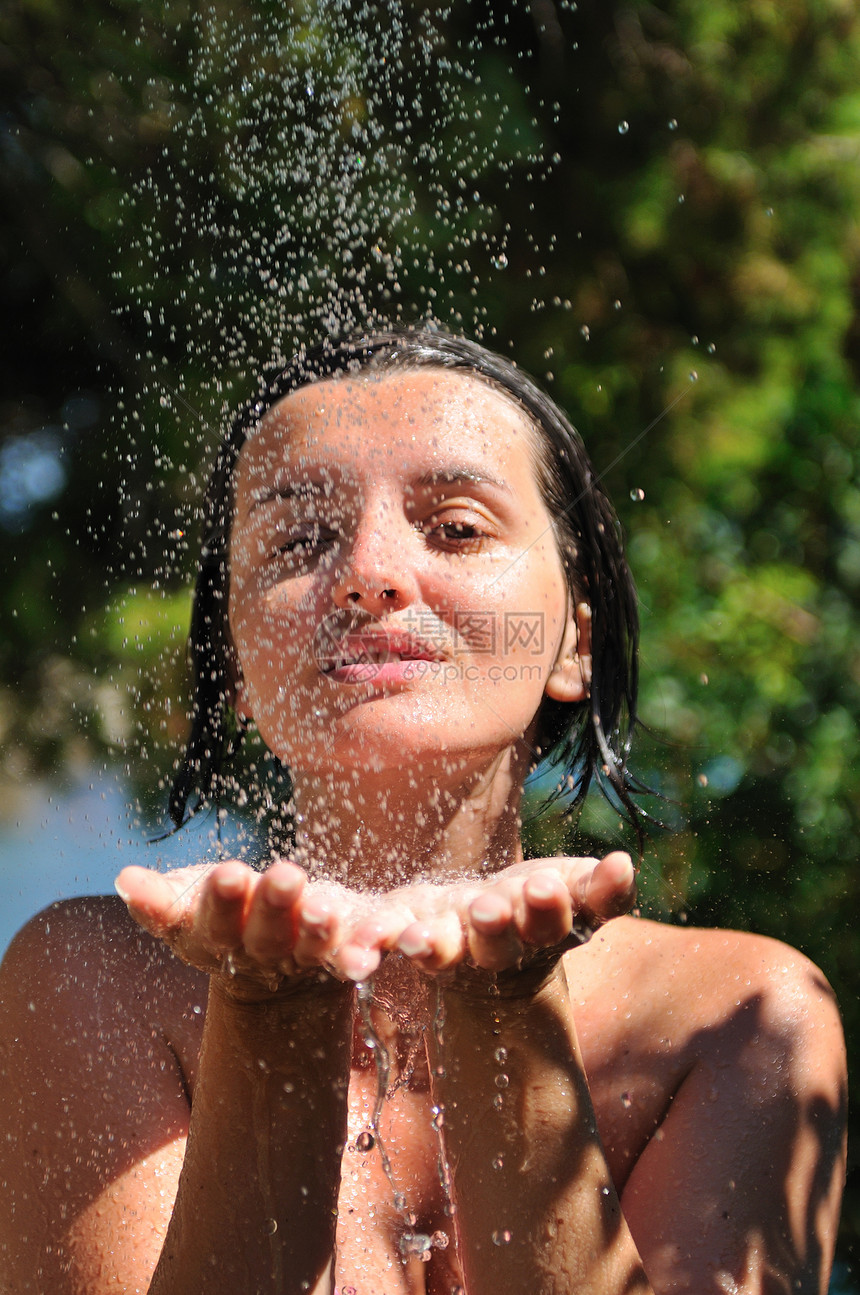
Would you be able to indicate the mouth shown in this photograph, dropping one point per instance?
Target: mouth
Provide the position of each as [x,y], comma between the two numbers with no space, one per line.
[367,653]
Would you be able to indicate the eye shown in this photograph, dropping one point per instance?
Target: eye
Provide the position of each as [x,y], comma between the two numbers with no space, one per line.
[457,534]
[311,541]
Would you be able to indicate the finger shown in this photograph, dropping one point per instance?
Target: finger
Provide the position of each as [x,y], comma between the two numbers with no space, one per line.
[321,919]
[381,929]
[547,910]
[435,944]
[611,889]
[354,962]
[361,951]
[159,902]
[493,940]
[270,927]
[223,901]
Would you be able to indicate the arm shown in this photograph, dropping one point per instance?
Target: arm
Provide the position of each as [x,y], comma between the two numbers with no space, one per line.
[536,1212]
[256,1206]
[730,1155]
[93,1111]
[95,1107]
[536,1209]
[257,1200]
[751,1151]
[737,1189]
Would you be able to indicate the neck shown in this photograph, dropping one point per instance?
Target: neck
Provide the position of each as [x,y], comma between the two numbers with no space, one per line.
[378,831]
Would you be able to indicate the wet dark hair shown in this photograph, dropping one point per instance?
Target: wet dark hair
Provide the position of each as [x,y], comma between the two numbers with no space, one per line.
[587,741]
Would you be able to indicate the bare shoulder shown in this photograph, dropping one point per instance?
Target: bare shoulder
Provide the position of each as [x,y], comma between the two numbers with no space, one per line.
[687,1034]
[95,1018]
[94,928]
[702,980]
[89,949]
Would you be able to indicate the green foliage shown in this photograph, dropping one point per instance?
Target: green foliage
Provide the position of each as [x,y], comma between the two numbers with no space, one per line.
[652,209]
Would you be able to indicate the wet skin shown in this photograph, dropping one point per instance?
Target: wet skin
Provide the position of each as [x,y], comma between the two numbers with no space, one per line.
[402,515]
[714,1062]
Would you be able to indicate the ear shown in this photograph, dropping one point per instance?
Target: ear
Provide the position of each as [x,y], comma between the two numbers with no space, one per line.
[570,677]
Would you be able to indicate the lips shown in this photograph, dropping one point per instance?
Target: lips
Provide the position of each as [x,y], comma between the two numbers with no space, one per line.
[375,648]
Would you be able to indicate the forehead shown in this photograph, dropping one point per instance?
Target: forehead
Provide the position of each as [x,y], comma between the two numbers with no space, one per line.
[421,419]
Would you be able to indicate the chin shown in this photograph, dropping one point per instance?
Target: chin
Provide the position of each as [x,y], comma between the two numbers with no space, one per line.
[398,758]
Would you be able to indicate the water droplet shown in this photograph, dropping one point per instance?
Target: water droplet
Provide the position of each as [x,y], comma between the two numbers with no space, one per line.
[498,1162]
[501,1055]
[365,1141]
[703,678]
[768,211]
[501,1236]
[270,1227]
[498,1101]
[623,127]
[711,348]
[626,1101]
[702,780]
[673,123]
[586,331]
[637,495]
[500,262]
[616,305]
[694,377]
[604,1191]
[438,1119]
[502,1081]
[415,1243]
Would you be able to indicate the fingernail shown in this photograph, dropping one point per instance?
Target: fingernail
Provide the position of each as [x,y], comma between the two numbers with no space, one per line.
[358,964]
[540,888]
[280,890]
[414,944]
[229,887]
[123,894]
[485,910]
[314,923]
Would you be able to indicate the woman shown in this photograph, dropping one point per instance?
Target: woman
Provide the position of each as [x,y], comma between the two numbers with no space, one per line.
[413,586]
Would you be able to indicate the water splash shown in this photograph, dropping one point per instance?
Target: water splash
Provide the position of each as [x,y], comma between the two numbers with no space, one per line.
[443,1167]
[410,1243]
[382,1060]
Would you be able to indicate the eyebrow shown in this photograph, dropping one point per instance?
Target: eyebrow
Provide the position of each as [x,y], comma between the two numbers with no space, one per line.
[434,477]
[295,490]
[454,475]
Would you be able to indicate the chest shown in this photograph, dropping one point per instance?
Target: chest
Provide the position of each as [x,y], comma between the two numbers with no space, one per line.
[395,1219]
[396,1232]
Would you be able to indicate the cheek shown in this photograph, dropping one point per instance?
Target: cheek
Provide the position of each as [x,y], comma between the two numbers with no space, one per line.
[531,612]
[273,632]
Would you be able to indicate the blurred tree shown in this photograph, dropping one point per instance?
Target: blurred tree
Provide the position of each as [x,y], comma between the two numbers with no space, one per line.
[652,208]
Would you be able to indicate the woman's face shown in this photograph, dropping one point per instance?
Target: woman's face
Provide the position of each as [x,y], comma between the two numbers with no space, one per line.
[396,595]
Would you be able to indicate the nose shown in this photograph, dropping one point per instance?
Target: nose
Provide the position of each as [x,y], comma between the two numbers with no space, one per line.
[375,573]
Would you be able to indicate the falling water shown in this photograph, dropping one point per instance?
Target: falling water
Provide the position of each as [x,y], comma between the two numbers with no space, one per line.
[411,1242]
[327,167]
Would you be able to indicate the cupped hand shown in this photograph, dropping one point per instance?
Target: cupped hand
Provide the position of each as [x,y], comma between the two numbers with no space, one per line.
[257,931]
[528,914]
